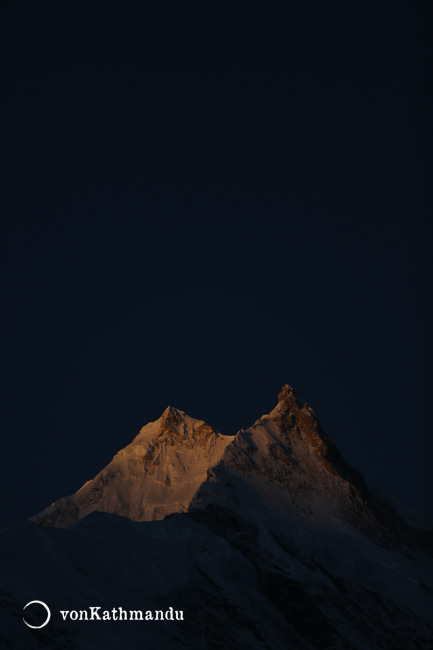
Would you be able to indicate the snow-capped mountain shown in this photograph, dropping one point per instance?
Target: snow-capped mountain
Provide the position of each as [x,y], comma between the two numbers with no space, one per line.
[273,542]
[283,462]
[286,458]
[157,474]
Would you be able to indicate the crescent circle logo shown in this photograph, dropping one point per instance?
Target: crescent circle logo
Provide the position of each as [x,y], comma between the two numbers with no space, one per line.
[38,602]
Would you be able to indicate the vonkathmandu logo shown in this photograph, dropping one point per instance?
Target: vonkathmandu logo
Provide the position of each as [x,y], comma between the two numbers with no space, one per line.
[120,614]
[38,602]
[97,613]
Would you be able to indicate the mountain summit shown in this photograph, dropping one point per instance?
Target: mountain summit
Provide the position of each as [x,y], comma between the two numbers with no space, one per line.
[157,474]
[284,462]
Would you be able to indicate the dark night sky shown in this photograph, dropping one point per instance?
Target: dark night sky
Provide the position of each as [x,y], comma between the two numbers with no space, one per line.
[201,204]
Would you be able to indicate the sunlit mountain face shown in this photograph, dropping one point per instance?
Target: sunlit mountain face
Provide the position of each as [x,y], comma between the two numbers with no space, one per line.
[284,462]
[263,539]
[154,476]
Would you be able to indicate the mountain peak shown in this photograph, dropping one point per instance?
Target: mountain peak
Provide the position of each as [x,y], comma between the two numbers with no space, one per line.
[289,451]
[155,475]
[286,391]
[173,415]
[287,400]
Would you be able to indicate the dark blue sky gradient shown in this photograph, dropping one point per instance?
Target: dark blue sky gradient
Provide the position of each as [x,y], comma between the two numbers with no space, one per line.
[201,205]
